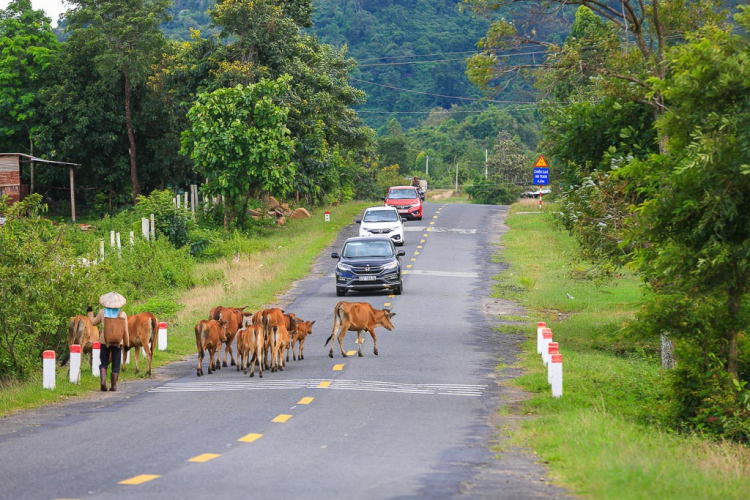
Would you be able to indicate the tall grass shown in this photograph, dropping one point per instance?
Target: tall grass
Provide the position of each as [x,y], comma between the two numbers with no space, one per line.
[607,436]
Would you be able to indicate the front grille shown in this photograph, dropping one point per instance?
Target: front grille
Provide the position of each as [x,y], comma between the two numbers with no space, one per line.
[367,269]
[380,231]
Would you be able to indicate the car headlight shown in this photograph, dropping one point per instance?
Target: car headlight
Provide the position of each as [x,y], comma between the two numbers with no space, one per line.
[390,265]
[343,267]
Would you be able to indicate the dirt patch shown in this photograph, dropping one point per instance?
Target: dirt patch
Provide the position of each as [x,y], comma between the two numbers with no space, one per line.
[440,194]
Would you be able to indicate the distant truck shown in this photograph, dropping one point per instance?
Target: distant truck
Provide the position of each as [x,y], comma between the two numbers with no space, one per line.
[423,185]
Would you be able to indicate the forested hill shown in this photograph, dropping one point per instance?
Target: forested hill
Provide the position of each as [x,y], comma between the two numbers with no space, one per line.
[417,45]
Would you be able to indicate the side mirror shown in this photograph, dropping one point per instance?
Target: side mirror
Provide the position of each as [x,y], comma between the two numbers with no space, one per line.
[403,219]
[358,221]
[383,198]
[335,255]
[401,253]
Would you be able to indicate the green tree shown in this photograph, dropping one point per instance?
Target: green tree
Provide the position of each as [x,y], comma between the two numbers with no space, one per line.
[27,47]
[696,219]
[508,162]
[238,138]
[128,30]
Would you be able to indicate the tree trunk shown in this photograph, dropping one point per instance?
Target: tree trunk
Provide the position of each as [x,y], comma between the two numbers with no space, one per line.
[131,137]
[735,302]
[243,215]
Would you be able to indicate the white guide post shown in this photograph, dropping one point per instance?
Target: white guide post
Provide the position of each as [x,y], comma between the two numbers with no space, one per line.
[557,376]
[539,327]
[48,377]
[75,364]
[162,339]
[96,349]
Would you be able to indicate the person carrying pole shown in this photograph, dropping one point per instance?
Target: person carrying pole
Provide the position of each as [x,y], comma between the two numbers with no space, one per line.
[114,334]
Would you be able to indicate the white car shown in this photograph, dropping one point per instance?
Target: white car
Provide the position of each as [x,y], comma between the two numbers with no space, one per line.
[382,221]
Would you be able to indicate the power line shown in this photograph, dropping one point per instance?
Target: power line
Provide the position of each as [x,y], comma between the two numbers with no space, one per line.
[519,54]
[475,99]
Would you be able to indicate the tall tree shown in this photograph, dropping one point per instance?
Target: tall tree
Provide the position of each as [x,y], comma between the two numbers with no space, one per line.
[27,47]
[129,31]
[238,138]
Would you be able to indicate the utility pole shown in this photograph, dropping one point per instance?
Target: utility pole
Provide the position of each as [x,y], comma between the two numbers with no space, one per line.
[456,177]
[485,163]
[427,166]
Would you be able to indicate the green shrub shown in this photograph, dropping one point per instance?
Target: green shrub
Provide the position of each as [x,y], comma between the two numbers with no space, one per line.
[170,221]
[493,192]
[42,284]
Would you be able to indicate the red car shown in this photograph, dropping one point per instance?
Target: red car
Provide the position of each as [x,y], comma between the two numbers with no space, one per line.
[406,200]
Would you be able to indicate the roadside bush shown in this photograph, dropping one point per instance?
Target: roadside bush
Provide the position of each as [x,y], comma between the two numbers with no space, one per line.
[42,284]
[149,269]
[170,221]
[493,192]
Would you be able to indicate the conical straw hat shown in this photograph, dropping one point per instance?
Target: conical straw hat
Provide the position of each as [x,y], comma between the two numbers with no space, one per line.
[112,300]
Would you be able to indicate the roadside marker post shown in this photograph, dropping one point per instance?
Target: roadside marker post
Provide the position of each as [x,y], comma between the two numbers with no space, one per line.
[75,364]
[48,376]
[163,336]
[557,375]
[546,339]
[539,326]
[552,349]
[95,352]
[328,216]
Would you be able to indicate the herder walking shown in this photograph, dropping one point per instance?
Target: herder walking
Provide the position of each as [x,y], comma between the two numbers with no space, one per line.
[114,333]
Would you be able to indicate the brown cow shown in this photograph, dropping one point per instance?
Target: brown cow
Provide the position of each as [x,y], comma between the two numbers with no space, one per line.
[208,335]
[142,328]
[279,344]
[233,318]
[304,328]
[250,343]
[82,333]
[356,317]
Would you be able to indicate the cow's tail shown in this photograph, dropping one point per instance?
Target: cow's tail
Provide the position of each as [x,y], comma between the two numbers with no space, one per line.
[154,332]
[336,322]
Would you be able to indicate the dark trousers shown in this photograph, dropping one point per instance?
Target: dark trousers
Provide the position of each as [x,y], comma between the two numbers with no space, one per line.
[104,355]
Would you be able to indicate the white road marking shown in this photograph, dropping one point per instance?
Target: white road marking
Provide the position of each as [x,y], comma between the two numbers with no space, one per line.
[343,385]
[436,229]
[446,274]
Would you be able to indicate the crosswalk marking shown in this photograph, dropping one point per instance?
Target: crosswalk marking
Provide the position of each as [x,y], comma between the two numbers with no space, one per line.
[344,385]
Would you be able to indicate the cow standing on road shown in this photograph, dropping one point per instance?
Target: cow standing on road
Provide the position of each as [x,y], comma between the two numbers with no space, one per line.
[356,317]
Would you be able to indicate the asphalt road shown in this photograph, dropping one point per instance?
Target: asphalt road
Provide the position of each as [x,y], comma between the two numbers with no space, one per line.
[418,421]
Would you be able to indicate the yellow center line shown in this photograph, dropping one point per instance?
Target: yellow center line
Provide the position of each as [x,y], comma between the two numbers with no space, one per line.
[425,235]
[416,253]
[143,478]
[386,304]
[281,418]
[338,368]
[422,241]
[323,385]
[408,266]
[351,353]
[391,296]
[204,458]
[404,272]
[413,260]
[434,216]
[429,228]
[250,438]
[431,224]
[419,246]
[305,401]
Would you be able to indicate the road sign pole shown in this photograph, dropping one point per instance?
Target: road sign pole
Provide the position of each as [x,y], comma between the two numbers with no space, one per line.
[540,197]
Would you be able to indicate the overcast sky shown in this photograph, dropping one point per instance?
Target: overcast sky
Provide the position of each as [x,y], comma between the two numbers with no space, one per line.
[53,8]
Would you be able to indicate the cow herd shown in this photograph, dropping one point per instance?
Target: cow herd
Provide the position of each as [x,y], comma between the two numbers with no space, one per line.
[260,340]
[263,339]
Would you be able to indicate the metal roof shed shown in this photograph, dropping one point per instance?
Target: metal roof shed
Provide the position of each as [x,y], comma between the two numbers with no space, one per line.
[10,176]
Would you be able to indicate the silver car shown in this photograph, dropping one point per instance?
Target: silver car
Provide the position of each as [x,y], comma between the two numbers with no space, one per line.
[382,221]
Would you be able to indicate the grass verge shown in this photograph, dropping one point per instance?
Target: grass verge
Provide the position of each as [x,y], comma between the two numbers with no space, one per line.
[254,280]
[607,436]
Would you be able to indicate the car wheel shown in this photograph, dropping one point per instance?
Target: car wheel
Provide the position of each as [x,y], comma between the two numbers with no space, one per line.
[400,289]
[340,292]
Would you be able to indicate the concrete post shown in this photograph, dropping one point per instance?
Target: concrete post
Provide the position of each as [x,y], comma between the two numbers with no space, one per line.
[48,376]
[75,364]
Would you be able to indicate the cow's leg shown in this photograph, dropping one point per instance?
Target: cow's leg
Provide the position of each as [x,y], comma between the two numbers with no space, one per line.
[149,356]
[374,340]
[342,334]
[359,343]
[301,348]
[125,353]
[137,351]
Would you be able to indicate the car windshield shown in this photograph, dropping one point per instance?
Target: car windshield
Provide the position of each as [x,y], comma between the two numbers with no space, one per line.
[381,216]
[402,194]
[355,249]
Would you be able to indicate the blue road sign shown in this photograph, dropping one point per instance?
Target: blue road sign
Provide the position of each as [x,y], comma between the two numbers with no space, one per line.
[541,176]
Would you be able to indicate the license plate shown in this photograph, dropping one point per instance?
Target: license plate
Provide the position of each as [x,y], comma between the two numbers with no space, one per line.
[367,278]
